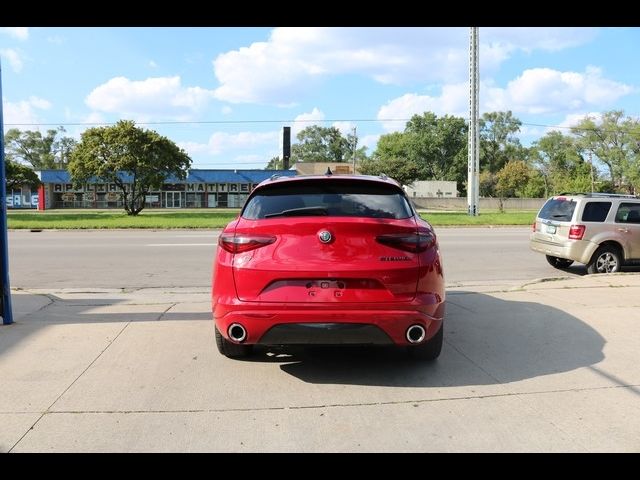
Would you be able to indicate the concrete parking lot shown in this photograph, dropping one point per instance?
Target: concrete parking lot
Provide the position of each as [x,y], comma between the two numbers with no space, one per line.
[549,366]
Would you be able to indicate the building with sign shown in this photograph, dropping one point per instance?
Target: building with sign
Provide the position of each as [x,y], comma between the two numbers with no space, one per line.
[201,189]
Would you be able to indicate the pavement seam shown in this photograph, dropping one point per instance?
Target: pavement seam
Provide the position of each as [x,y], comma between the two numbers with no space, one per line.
[47,411]
[334,405]
[166,310]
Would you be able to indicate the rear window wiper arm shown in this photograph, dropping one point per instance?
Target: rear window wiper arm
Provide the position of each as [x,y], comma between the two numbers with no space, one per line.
[299,211]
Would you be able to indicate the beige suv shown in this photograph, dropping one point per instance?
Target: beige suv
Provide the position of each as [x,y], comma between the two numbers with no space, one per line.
[601,230]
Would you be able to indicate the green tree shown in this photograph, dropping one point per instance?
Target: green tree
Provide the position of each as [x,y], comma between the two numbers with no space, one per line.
[437,146]
[558,159]
[487,184]
[498,141]
[614,142]
[324,144]
[146,156]
[400,169]
[49,151]
[18,175]
[512,179]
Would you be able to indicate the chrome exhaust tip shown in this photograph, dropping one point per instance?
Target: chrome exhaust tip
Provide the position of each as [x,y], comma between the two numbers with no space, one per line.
[237,333]
[416,333]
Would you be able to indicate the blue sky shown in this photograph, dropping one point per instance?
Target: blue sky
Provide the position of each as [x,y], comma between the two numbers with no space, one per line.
[230,90]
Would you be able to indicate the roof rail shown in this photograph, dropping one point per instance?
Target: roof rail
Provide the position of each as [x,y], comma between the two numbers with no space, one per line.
[600,194]
[383,176]
[275,176]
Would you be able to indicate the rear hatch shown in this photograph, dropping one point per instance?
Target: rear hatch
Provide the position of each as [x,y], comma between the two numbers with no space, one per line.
[554,220]
[327,240]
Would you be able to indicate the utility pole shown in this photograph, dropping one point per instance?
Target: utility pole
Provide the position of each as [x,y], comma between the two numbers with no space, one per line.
[355,143]
[591,165]
[473,187]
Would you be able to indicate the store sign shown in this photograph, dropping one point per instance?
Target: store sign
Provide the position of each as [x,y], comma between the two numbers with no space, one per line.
[9,201]
[152,198]
[68,197]
[34,199]
[89,197]
[17,201]
[195,187]
[112,196]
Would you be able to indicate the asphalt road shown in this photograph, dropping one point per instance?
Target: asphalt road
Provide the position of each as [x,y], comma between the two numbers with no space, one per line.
[183,258]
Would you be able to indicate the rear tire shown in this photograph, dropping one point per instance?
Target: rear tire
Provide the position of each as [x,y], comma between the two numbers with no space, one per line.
[559,263]
[230,349]
[429,350]
[607,259]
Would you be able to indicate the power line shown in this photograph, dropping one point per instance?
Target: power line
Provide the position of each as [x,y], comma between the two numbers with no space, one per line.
[238,122]
[204,122]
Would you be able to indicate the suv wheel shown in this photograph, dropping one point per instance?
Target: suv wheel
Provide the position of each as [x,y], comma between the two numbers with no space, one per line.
[230,349]
[560,263]
[607,259]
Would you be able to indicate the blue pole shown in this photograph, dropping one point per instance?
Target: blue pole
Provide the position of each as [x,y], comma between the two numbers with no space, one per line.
[5,298]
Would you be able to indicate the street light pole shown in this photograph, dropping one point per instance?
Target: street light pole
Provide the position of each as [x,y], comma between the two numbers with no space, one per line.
[355,143]
[473,193]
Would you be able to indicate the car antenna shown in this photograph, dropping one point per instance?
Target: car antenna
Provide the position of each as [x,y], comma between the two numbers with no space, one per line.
[328,172]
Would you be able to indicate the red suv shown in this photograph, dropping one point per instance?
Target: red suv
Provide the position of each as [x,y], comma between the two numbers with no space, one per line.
[328,260]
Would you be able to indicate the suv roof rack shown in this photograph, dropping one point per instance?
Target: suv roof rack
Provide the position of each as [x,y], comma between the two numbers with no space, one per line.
[600,194]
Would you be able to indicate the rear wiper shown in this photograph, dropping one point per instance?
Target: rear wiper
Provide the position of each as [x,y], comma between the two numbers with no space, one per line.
[299,212]
[559,216]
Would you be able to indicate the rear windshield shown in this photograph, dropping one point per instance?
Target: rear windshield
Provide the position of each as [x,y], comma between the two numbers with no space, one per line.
[341,198]
[558,209]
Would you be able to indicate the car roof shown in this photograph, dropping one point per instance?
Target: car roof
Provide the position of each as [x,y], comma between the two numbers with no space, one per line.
[342,178]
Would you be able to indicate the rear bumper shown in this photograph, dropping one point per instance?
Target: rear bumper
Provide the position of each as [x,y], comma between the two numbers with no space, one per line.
[577,250]
[368,324]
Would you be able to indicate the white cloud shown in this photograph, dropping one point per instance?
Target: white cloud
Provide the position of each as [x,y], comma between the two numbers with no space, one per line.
[314,117]
[544,91]
[223,142]
[346,128]
[226,110]
[24,112]
[452,101]
[152,64]
[369,141]
[535,91]
[295,59]
[21,33]
[159,98]
[13,57]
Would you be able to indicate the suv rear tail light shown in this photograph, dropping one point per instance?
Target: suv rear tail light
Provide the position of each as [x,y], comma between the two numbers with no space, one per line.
[533,226]
[238,243]
[410,242]
[576,232]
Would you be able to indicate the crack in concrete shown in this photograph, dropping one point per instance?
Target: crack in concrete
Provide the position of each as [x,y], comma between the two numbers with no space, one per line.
[166,310]
[327,405]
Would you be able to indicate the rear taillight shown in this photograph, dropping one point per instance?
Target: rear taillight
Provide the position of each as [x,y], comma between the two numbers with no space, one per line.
[533,226]
[238,243]
[576,232]
[409,242]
